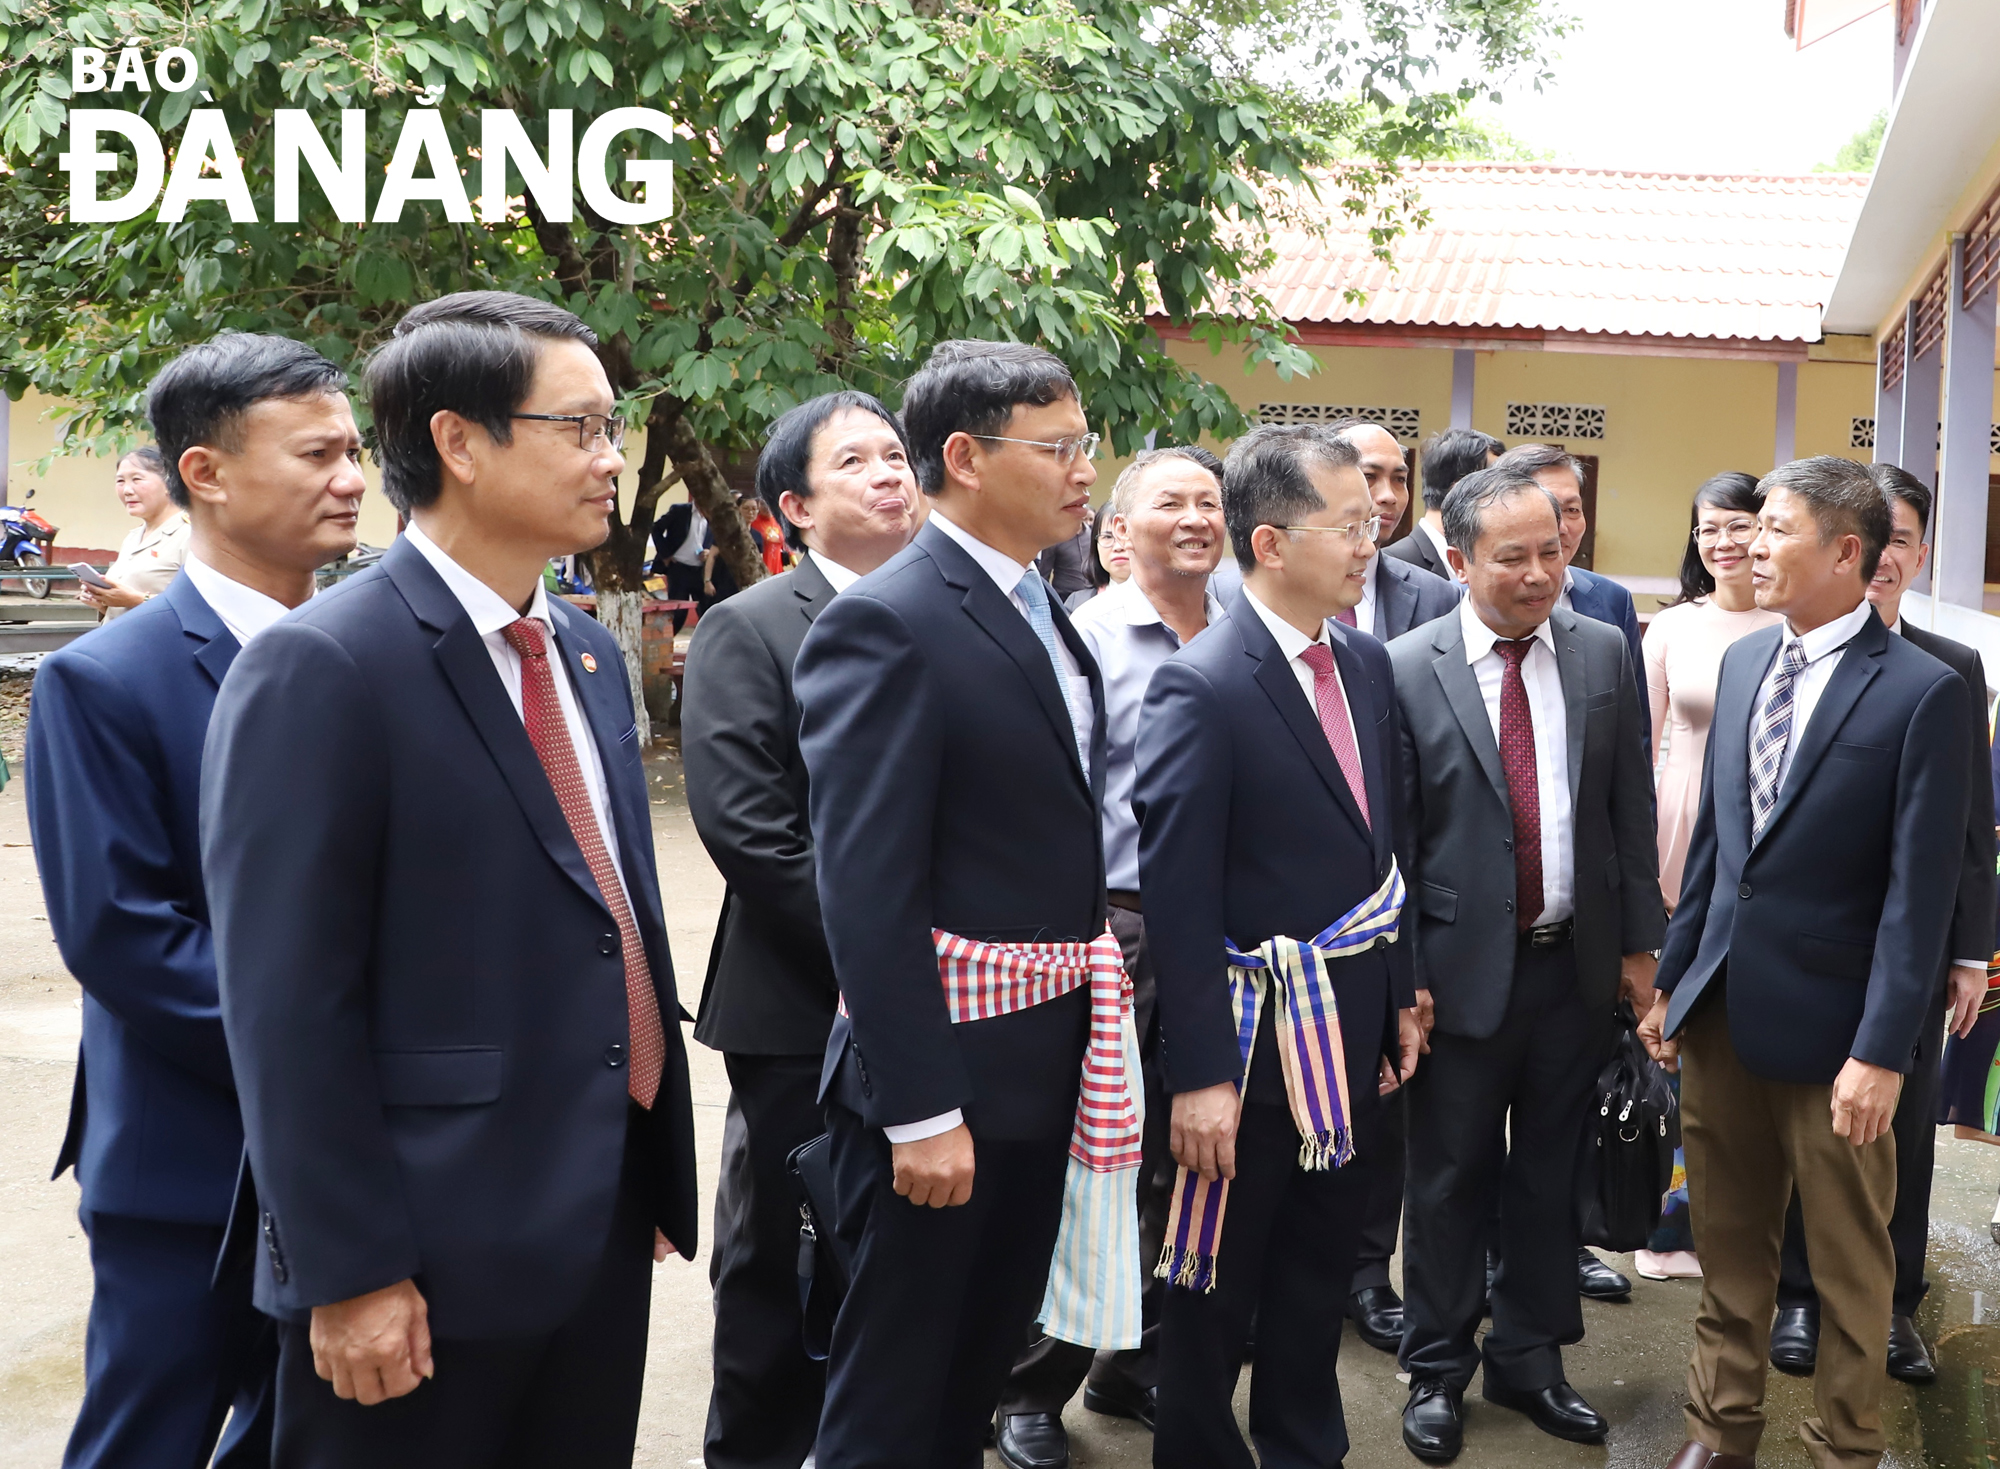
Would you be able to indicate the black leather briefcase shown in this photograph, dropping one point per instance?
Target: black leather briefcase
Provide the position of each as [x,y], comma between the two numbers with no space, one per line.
[825,1265]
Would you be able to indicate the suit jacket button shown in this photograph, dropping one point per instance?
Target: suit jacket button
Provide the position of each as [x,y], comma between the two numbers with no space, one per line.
[1510,905]
[614,1056]
[1743,891]
[607,943]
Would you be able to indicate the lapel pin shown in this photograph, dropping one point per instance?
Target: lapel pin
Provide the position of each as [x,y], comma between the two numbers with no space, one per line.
[589,663]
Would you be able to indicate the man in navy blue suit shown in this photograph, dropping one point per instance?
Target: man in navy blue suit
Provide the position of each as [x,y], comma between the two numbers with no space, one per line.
[1267,795]
[443,966]
[953,729]
[261,452]
[1583,592]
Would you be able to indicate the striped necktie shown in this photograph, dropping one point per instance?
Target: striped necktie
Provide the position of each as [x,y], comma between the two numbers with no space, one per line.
[1035,592]
[1771,734]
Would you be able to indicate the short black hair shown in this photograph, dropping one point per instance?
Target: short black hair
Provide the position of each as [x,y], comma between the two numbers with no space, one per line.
[1843,499]
[1899,484]
[1534,458]
[788,447]
[974,387]
[1730,490]
[1450,456]
[1100,574]
[201,396]
[472,353]
[1266,480]
[1464,509]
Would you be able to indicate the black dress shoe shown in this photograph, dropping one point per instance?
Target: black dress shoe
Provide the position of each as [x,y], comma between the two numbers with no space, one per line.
[1558,1411]
[1909,1359]
[1597,1281]
[1119,1399]
[1433,1421]
[1795,1340]
[1377,1314]
[1032,1441]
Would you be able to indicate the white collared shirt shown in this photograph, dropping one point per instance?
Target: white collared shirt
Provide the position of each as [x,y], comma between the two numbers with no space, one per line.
[688,552]
[1293,644]
[243,610]
[1371,585]
[1437,539]
[1568,586]
[1824,646]
[1541,675]
[490,613]
[1130,641]
[837,576]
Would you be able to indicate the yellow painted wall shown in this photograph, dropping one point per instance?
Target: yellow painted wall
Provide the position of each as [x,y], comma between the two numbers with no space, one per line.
[1670,422]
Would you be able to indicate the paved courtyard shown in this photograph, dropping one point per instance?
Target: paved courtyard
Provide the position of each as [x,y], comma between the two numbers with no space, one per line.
[1630,1365]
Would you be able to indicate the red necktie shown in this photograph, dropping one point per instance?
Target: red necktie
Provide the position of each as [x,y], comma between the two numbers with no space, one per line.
[1333,719]
[1346,618]
[1517,758]
[542,712]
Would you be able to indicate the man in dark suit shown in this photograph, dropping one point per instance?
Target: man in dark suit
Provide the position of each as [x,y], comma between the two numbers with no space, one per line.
[839,473]
[444,971]
[1531,862]
[953,730]
[1805,957]
[1396,595]
[679,538]
[260,449]
[1267,798]
[1795,1332]
[1583,592]
[1446,459]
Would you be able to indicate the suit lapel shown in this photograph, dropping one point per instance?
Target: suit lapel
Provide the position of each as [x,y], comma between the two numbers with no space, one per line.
[1735,708]
[1855,671]
[1576,698]
[1395,608]
[218,646]
[810,586]
[1461,691]
[1274,675]
[468,667]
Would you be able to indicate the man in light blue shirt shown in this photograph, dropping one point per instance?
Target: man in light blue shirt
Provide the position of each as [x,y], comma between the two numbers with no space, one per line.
[1168,505]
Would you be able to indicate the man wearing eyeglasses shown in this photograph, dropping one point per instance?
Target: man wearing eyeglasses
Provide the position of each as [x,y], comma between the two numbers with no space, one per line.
[1533,873]
[953,734]
[444,971]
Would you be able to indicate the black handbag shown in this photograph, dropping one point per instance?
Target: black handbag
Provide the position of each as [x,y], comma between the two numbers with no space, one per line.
[825,1265]
[1627,1157]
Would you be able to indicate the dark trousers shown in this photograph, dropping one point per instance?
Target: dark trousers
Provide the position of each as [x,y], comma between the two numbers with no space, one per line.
[1536,1072]
[167,1355]
[1048,1374]
[763,1410]
[568,1397]
[1286,1257]
[1384,1219]
[683,585]
[940,1299]
[1915,1127]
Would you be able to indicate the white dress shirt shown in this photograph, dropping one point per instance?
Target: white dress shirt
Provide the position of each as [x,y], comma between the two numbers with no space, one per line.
[1541,675]
[1823,646]
[243,610]
[837,576]
[688,552]
[1371,584]
[1006,573]
[1437,539]
[490,613]
[1129,640]
[1293,643]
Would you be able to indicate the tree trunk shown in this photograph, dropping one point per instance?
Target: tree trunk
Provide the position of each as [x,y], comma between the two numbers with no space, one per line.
[622,614]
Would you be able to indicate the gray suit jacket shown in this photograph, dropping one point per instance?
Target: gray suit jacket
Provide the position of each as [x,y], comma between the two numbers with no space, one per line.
[1458,834]
[1416,549]
[1406,598]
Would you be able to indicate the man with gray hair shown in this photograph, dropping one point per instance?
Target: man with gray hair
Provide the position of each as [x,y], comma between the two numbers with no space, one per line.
[1168,506]
[1800,965]
[1529,851]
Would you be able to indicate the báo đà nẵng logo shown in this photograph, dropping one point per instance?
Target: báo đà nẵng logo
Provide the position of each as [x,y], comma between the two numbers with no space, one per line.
[206,164]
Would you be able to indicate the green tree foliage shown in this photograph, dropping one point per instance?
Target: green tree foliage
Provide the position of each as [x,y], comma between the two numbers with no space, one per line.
[854,180]
[1858,153]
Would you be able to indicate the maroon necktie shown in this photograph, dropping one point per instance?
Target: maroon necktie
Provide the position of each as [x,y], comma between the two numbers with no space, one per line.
[1517,758]
[1346,618]
[1333,719]
[542,712]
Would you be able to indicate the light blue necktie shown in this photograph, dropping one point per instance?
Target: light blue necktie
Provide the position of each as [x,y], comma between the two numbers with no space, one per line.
[1035,592]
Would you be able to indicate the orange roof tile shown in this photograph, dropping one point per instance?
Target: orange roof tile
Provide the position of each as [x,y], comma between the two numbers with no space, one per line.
[1539,246]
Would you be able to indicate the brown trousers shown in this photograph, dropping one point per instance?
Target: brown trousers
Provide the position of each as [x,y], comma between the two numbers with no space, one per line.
[1748,1141]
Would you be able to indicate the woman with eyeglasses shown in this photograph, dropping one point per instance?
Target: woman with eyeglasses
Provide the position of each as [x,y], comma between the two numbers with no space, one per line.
[1684,647]
[1110,558]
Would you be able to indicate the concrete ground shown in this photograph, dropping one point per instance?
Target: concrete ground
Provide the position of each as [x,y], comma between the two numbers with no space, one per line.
[1630,1365]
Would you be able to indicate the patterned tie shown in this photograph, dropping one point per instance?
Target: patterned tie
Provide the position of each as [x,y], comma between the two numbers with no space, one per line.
[1517,758]
[1770,735]
[1333,719]
[1035,592]
[1346,618]
[541,711]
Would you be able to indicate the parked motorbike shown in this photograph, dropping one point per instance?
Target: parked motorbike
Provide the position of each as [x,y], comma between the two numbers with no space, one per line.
[25,539]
